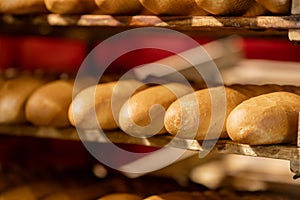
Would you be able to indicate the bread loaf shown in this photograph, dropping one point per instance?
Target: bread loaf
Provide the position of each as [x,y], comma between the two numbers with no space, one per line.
[13,96]
[277,6]
[225,7]
[193,113]
[22,6]
[119,6]
[121,196]
[143,114]
[255,9]
[71,6]
[49,104]
[170,7]
[266,119]
[83,109]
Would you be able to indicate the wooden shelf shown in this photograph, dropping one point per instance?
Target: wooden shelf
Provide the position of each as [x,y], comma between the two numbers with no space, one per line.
[260,22]
[209,25]
[71,133]
[286,152]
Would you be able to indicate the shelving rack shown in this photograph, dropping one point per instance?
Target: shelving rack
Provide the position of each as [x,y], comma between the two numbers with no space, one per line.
[89,27]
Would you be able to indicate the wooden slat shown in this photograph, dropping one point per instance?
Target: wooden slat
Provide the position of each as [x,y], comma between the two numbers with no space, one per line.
[95,27]
[71,133]
[286,152]
[40,132]
[298,134]
[295,7]
[260,22]
[294,35]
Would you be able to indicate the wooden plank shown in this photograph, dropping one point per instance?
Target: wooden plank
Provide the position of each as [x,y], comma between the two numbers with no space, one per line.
[95,27]
[286,152]
[117,137]
[295,7]
[294,35]
[260,22]
[298,133]
[39,132]
[285,22]
[175,21]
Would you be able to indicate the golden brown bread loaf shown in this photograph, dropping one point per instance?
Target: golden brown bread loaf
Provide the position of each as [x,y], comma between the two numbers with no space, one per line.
[121,196]
[143,114]
[171,7]
[82,108]
[71,6]
[276,6]
[225,7]
[13,96]
[266,119]
[22,6]
[255,9]
[119,6]
[49,104]
[182,117]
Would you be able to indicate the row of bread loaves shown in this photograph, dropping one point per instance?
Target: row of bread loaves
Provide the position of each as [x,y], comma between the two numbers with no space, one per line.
[106,105]
[157,7]
[34,99]
[255,115]
[43,102]
[71,6]
[251,114]
[174,108]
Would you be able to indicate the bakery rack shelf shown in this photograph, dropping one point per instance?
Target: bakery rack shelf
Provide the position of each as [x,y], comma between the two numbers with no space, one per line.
[94,135]
[284,152]
[91,27]
[64,25]
[287,152]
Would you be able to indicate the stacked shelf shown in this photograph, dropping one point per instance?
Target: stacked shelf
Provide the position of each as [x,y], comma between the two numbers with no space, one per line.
[90,27]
